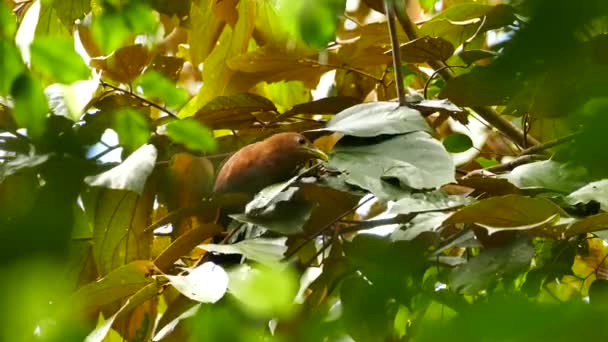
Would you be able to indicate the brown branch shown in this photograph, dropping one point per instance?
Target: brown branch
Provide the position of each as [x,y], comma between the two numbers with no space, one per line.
[547,145]
[389,7]
[142,99]
[487,113]
[510,165]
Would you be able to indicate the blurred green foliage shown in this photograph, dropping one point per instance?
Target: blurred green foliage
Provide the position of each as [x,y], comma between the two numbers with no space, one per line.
[89,238]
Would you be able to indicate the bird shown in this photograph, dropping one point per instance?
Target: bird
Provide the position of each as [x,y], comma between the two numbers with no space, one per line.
[264,163]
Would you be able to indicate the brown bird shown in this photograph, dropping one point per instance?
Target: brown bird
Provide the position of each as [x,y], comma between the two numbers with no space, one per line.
[264,163]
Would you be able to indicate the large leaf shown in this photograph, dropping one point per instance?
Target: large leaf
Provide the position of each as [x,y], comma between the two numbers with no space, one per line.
[119,219]
[216,73]
[511,212]
[56,58]
[548,175]
[31,105]
[131,174]
[376,118]
[416,160]
[491,265]
[129,307]
[460,22]
[422,223]
[233,112]
[116,285]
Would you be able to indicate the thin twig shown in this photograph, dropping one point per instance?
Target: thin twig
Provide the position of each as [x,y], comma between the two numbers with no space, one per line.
[104,152]
[510,165]
[428,81]
[320,231]
[389,7]
[142,99]
[547,145]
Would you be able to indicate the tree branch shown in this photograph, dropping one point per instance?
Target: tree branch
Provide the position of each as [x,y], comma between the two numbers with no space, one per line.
[547,145]
[389,8]
[487,113]
[142,99]
[510,165]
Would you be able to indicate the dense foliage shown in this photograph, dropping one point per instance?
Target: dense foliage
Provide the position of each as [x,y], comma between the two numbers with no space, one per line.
[473,209]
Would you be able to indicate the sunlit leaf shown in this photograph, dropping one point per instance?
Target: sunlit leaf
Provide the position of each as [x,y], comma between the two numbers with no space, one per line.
[10,67]
[250,286]
[155,85]
[509,212]
[262,250]
[31,106]
[550,175]
[376,118]
[192,134]
[131,174]
[56,57]
[594,191]
[206,283]
[132,129]
[416,160]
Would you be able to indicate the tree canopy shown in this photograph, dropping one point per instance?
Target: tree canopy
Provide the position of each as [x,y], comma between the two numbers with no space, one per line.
[465,196]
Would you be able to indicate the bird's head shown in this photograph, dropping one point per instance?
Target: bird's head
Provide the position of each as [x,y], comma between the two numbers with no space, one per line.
[297,145]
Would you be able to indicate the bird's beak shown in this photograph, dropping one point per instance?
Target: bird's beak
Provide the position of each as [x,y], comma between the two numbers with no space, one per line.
[317,153]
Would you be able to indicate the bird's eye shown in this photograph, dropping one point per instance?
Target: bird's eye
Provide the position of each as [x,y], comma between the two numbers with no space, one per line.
[301,141]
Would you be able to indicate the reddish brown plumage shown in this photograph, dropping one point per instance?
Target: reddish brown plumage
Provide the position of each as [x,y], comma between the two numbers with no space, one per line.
[270,161]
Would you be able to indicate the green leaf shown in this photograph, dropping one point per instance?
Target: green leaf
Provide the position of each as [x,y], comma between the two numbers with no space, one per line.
[118,284]
[457,142]
[31,106]
[8,23]
[10,65]
[511,212]
[491,265]
[192,134]
[251,286]
[57,58]
[284,217]
[416,160]
[109,31]
[317,23]
[263,250]
[427,201]
[549,175]
[471,56]
[422,223]
[131,174]
[595,191]
[460,22]
[132,129]
[155,85]
[376,118]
